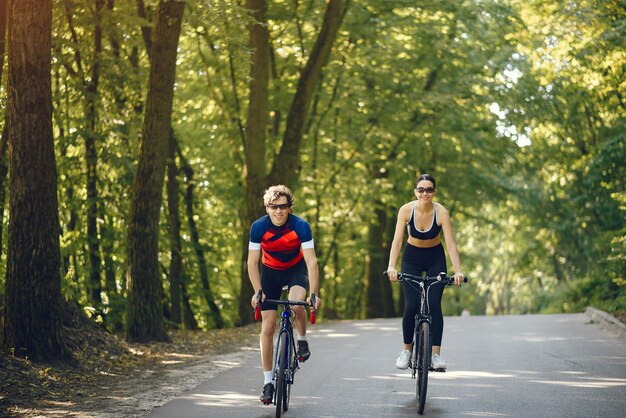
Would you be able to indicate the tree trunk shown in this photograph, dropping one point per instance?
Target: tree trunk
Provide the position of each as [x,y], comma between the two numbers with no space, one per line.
[188,318]
[4,173]
[285,165]
[216,313]
[33,304]
[174,232]
[91,159]
[145,321]
[379,298]
[4,167]
[254,143]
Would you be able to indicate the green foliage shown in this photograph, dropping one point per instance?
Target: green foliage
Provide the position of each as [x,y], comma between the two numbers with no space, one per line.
[515,107]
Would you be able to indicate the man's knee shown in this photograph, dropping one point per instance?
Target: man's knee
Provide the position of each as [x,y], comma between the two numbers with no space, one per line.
[269,326]
[299,310]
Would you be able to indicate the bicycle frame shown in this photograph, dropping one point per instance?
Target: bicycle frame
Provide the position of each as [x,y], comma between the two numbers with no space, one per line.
[422,316]
[285,348]
[286,327]
[422,343]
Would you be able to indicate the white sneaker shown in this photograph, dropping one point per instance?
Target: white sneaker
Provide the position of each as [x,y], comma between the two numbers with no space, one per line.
[437,362]
[403,360]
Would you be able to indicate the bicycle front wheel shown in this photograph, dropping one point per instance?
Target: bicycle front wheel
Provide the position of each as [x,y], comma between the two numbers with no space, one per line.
[414,356]
[423,365]
[289,375]
[281,377]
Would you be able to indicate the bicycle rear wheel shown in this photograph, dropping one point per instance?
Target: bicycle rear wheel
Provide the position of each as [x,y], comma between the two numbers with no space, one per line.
[281,377]
[423,365]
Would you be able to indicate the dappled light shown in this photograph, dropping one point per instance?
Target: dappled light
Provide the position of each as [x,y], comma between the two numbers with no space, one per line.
[542,338]
[138,138]
[329,333]
[467,374]
[586,382]
[376,327]
[223,399]
[582,379]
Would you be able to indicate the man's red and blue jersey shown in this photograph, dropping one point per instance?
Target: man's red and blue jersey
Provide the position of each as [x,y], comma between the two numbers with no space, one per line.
[281,245]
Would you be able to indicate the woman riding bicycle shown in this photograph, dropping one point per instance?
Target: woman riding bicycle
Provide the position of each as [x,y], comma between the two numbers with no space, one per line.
[284,244]
[424,220]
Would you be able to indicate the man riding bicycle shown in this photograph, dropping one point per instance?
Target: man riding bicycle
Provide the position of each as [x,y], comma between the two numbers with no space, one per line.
[283,242]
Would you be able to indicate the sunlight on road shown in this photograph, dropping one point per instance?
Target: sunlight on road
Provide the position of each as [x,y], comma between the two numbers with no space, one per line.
[589,382]
[225,399]
[372,326]
[330,333]
[537,338]
[337,336]
[390,377]
[582,382]
[228,364]
[467,374]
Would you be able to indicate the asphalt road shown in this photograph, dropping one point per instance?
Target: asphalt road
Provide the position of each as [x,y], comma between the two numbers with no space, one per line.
[505,366]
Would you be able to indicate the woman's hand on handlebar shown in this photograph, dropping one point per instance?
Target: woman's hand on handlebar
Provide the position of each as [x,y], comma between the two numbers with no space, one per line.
[459,277]
[392,273]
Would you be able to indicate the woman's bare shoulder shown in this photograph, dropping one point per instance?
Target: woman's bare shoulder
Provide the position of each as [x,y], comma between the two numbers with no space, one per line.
[405,209]
[441,211]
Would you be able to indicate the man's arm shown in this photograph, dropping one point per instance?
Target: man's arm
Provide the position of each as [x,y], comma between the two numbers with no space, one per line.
[253,272]
[311,264]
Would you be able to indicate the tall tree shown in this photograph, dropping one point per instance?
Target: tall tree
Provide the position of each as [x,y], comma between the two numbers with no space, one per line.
[285,166]
[33,301]
[197,246]
[90,80]
[145,321]
[4,168]
[254,141]
[173,215]
[91,158]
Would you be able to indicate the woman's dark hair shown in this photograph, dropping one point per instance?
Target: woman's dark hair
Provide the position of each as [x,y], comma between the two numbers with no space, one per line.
[426,177]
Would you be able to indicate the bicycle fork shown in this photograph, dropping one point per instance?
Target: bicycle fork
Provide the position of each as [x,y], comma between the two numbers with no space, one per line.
[291,370]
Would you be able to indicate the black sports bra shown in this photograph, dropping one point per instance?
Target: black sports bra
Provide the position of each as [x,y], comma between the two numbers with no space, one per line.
[431,233]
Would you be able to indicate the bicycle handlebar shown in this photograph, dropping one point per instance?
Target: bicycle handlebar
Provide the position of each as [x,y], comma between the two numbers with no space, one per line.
[312,317]
[441,277]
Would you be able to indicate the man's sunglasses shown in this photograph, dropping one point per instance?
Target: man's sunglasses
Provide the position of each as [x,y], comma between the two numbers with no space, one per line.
[276,207]
[428,190]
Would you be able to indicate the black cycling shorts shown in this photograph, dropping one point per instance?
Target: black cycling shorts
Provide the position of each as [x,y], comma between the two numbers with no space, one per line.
[273,281]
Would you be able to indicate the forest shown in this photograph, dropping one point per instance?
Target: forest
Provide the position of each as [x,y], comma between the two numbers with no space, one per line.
[138,138]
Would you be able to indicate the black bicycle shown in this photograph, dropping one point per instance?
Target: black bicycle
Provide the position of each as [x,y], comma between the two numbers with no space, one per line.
[422,344]
[285,358]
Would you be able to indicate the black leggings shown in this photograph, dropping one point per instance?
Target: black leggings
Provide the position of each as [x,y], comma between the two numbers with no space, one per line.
[415,261]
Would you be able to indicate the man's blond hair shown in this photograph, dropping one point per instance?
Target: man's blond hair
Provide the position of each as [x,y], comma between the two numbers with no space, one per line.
[274,192]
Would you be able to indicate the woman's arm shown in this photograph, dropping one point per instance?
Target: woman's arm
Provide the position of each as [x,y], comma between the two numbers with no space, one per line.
[396,244]
[448,235]
[253,273]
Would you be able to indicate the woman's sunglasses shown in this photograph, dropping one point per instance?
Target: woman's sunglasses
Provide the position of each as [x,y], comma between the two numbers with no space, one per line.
[428,190]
